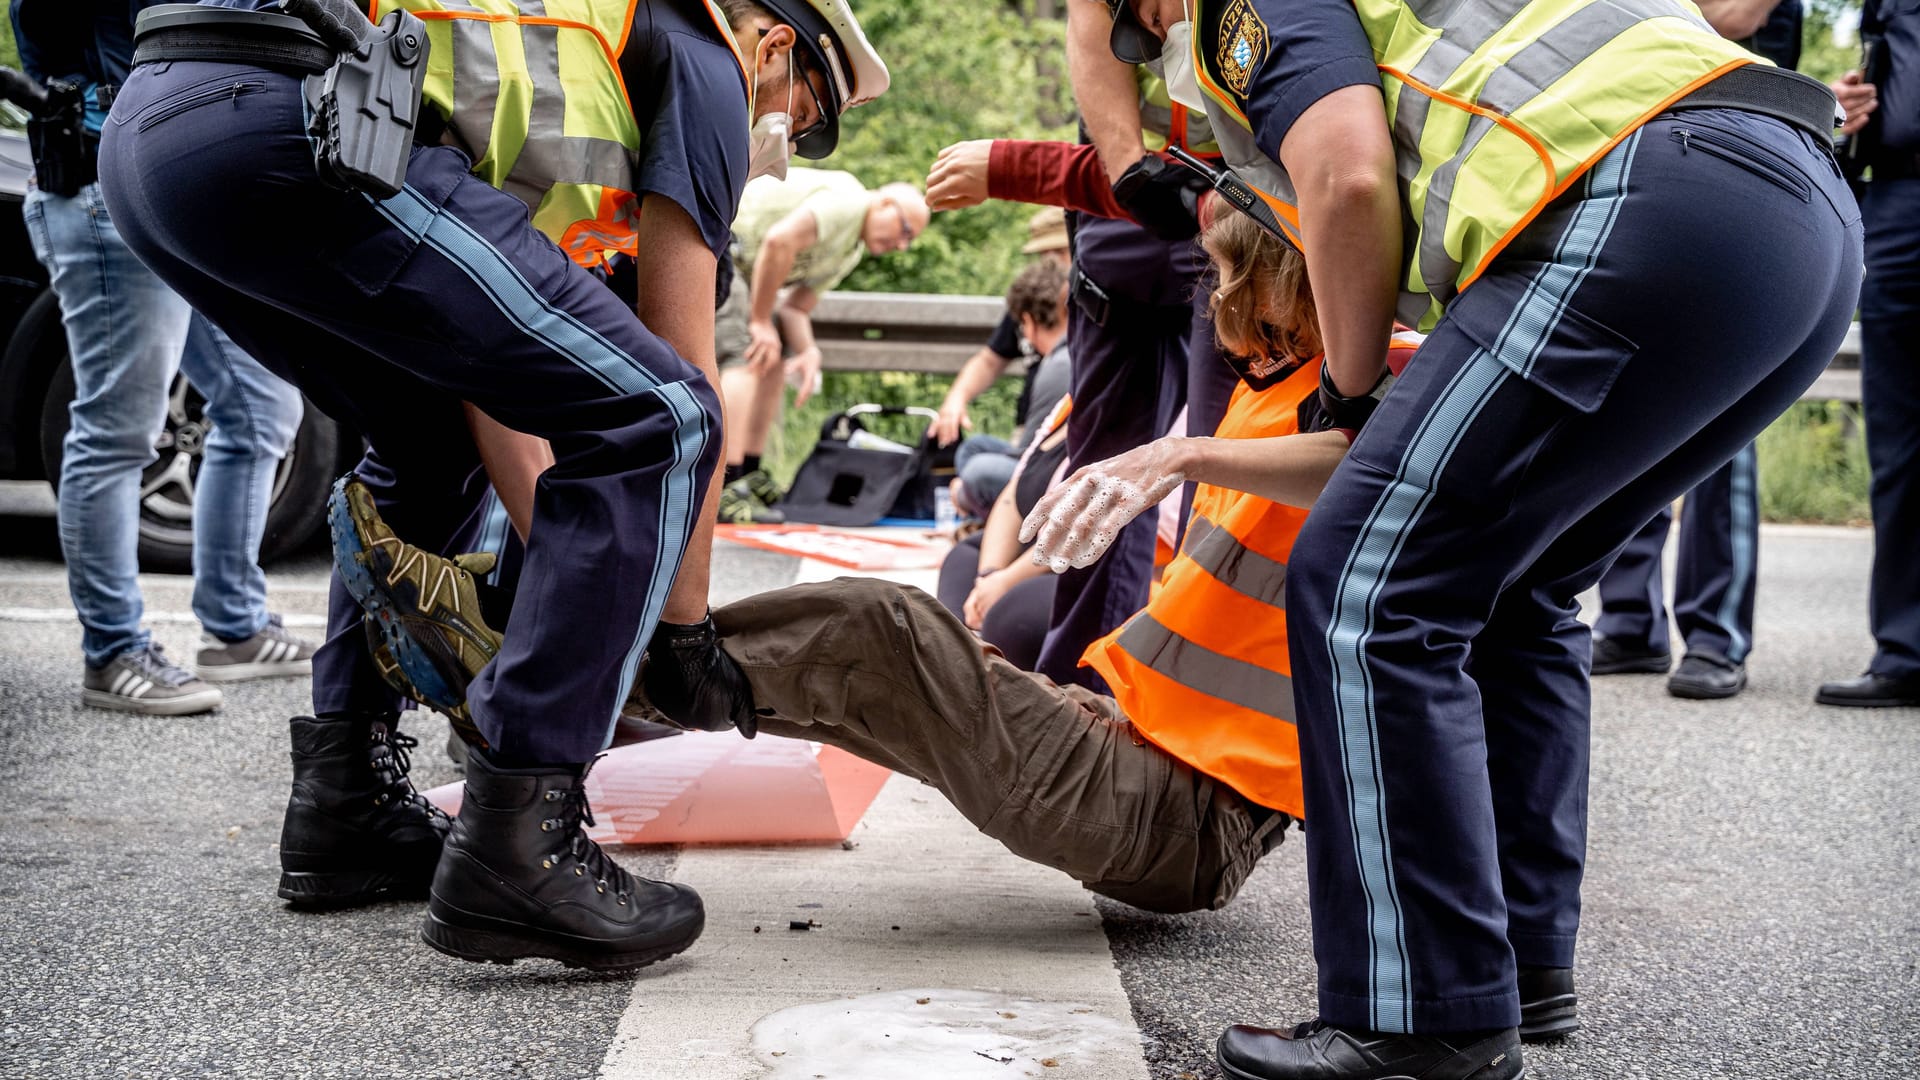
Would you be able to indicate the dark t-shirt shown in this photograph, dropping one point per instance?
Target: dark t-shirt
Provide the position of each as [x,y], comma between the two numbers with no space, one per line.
[1278,57]
[689,96]
[90,41]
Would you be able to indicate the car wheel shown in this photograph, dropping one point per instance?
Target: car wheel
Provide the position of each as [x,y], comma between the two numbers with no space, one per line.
[299,499]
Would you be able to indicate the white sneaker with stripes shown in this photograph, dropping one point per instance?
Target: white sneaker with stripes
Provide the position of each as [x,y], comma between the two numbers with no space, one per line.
[271,652]
[144,681]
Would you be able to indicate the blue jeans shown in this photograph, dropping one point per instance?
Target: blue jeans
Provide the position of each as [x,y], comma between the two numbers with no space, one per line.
[985,463]
[126,332]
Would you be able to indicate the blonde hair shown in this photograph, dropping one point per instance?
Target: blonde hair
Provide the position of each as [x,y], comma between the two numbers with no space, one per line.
[1263,304]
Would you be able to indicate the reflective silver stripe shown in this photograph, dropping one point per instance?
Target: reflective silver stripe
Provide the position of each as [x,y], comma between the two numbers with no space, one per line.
[548,156]
[1235,565]
[1541,63]
[1204,671]
[1156,118]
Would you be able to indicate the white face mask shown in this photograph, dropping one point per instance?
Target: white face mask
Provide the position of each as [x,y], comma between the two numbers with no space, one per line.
[772,146]
[1176,56]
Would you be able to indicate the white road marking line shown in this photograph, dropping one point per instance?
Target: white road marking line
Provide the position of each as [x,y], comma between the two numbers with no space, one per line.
[154,581]
[151,618]
[970,915]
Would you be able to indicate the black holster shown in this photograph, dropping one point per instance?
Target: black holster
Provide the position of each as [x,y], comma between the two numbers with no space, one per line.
[65,157]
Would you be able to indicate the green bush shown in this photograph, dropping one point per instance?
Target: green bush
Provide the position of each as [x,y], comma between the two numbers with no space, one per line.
[1813,465]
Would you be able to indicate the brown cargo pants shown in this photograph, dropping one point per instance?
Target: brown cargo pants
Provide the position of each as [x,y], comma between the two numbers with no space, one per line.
[1057,774]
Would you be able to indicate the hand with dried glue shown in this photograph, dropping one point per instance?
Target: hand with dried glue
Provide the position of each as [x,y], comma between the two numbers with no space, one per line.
[1075,523]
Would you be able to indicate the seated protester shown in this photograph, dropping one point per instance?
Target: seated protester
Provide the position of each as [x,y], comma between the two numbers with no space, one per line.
[985,580]
[1047,238]
[1163,798]
[1037,302]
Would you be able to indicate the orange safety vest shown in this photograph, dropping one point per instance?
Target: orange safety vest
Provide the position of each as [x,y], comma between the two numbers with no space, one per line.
[1202,670]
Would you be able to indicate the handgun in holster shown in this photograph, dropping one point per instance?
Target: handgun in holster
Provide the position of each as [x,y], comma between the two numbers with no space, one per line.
[65,158]
[366,107]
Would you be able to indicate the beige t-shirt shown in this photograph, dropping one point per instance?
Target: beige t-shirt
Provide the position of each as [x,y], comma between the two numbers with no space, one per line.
[839,207]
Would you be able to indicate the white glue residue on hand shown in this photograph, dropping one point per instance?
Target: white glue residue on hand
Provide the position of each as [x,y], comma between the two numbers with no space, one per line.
[954,1035]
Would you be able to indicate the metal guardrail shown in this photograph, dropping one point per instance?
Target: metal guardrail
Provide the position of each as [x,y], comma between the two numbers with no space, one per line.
[864,331]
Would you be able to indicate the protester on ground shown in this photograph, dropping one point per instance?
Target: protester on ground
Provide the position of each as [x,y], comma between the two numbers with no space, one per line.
[470,287]
[128,337]
[1537,181]
[1719,519]
[797,238]
[1163,797]
[1883,115]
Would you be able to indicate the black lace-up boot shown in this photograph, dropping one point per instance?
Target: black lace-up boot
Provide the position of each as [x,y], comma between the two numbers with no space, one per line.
[356,831]
[521,878]
[1320,1051]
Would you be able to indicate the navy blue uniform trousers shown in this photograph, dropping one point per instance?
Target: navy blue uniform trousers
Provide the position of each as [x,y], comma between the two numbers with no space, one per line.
[1132,372]
[1713,577]
[1890,395]
[1644,328]
[389,315]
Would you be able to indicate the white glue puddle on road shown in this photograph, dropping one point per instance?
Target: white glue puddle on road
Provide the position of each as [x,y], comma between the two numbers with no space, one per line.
[950,1034]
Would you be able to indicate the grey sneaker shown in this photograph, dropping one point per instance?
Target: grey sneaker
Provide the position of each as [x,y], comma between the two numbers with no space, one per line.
[271,652]
[144,681]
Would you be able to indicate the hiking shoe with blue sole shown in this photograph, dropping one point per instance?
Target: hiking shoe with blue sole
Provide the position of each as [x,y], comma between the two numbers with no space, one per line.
[422,610]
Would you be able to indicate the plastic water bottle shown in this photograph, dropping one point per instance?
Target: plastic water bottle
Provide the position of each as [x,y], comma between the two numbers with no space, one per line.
[945,519]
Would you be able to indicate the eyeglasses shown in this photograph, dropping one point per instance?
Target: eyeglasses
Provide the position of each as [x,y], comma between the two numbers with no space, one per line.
[906,227]
[802,75]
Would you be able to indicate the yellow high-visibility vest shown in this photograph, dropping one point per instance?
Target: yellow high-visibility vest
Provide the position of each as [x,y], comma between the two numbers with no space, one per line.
[532,91]
[1165,122]
[1496,108]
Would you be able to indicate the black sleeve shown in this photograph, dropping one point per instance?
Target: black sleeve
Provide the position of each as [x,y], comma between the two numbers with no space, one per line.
[1005,341]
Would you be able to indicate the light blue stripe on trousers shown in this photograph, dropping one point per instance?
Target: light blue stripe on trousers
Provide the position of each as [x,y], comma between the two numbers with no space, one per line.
[1743,478]
[516,298]
[493,532]
[1368,566]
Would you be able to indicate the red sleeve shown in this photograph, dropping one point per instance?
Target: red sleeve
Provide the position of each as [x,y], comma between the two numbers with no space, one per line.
[1051,174]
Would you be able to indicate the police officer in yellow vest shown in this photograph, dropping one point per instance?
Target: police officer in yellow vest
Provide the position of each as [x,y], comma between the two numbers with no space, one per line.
[1633,249]
[1141,342]
[555,132]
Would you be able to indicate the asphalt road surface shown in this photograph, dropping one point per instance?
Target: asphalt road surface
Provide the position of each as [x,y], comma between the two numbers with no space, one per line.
[1752,904]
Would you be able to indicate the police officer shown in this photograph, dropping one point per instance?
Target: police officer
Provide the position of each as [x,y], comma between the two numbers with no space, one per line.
[1632,248]
[1719,519]
[471,285]
[1883,117]
[1141,341]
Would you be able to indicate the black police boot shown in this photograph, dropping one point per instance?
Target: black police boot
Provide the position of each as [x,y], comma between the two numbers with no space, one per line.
[355,830]
[1705,676]
[1320,1051]
[1871,691]
[1614,657]
[1548,1008]
[520,878]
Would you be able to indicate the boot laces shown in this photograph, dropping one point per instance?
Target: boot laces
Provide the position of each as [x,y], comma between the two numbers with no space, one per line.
[574,820]
[391,762]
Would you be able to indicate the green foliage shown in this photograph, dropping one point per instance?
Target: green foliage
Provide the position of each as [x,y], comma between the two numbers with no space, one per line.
[9,53]
[1820,55]
[960,71]
[1813,465]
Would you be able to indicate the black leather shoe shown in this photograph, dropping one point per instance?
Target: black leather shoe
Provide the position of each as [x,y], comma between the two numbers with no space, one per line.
[355,831]
[520,878]
[1871,691]
[1318,1051]
[1704,675]
[1548,1008]
[1613,657]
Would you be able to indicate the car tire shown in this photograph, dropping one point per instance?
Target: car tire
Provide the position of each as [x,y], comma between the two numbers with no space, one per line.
[295,516]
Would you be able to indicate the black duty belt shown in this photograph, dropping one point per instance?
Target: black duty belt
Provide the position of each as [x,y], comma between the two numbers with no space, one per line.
[182,32]
[1800,100]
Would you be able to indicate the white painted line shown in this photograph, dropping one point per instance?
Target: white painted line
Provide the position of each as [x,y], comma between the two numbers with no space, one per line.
[157,618]
[970,917]
[276,583]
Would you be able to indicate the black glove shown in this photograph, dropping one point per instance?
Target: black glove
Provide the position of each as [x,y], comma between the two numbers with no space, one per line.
[1164,198]
[694,683]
